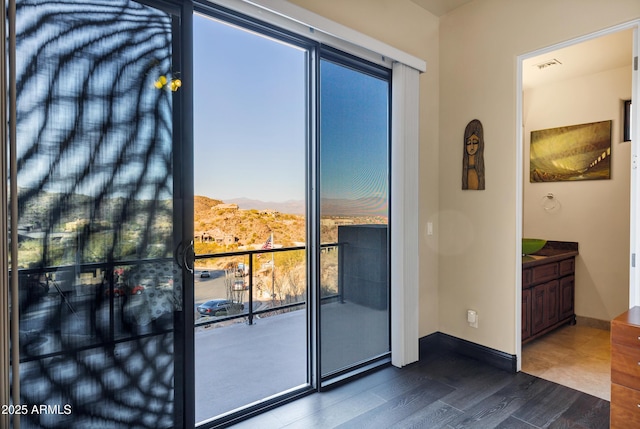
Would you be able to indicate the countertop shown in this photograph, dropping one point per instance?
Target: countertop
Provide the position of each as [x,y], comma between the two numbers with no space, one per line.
[629,317]
[552,251]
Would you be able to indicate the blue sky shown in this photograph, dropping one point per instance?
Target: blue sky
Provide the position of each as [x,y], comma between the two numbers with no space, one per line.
[354,133]
[250,120]
[249,108]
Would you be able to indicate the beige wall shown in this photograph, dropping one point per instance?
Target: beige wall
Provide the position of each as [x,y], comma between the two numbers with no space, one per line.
[470,261]
[593,213]
[404,25]
[479,45]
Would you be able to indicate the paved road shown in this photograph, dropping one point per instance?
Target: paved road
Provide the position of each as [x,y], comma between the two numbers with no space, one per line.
[209,288]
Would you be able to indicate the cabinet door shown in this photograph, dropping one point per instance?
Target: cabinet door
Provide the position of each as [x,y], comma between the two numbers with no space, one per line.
[526,314]
[567,293]
[544,306]
[552,305]
[538,299]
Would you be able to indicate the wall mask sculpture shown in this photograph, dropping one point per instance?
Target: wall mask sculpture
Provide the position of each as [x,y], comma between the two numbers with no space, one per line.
[473,156]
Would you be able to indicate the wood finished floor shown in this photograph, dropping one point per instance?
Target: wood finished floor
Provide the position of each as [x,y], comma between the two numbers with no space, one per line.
[443,390]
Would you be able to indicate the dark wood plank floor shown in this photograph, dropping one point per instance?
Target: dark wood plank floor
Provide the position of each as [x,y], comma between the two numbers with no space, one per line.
[443,390]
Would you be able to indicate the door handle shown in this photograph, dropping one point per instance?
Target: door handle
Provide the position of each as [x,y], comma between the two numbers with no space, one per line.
[188,255]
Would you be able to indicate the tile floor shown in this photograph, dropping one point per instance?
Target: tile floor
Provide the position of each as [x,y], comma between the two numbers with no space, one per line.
[575,356]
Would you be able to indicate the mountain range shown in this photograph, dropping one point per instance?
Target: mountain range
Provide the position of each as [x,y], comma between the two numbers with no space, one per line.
[330,206]
[289,207]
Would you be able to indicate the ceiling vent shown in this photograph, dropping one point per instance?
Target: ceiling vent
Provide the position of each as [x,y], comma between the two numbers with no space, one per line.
[548,63]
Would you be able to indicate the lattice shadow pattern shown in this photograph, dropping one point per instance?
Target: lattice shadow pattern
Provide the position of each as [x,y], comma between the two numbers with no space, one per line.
[99,288]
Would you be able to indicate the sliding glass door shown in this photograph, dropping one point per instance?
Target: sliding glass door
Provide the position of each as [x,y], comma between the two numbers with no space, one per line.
[261,294]
[251,277]
[192,240]
[99,291]
[354,215]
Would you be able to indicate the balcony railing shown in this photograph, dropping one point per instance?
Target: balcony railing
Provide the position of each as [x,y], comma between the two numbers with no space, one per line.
[334,293]
[90,313]
[91,305]
[74,308]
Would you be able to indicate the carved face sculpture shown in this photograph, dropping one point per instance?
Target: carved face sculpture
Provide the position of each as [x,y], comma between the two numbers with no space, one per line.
[472,144]
[473,157]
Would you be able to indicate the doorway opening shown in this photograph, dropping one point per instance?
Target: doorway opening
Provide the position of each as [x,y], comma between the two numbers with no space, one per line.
[291,223]
[579,82]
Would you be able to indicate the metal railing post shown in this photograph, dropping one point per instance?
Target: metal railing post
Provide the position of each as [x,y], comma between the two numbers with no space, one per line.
[340,273]
[250,289]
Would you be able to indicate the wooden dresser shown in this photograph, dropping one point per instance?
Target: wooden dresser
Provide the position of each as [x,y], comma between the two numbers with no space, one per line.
[625,370]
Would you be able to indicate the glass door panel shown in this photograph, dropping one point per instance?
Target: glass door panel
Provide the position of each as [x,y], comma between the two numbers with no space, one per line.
[250,116]
[98,285]
[354,196]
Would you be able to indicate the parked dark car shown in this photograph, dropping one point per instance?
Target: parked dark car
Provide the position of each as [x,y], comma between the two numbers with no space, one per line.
[220,307]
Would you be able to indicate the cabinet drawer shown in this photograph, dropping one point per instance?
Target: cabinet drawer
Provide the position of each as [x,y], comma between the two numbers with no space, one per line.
[625,407]
[625,366]
[543,273]
[624,334]
[526,278]
[568,266]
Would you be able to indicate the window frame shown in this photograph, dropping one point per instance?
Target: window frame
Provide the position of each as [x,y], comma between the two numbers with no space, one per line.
[626,130]
[344,59]
[375,65]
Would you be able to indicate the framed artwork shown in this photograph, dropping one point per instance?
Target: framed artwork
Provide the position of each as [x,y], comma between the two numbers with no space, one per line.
[576,152]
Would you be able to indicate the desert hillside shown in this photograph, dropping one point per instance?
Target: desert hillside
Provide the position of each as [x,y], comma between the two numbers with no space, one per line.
[228,225]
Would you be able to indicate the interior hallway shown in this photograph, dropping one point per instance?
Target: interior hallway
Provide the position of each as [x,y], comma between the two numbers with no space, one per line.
[575,356]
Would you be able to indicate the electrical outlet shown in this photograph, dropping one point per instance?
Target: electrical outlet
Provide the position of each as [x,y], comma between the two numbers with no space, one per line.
[472,318]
